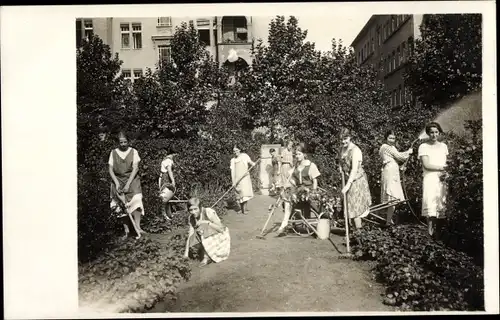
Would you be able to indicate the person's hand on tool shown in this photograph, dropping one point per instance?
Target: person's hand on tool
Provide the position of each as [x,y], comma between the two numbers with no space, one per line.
[126,188]
[410,151]
[346,187]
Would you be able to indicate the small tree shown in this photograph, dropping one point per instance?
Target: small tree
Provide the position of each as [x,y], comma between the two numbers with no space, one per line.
[280,72]
[447,61]
[172,101]
[102,94]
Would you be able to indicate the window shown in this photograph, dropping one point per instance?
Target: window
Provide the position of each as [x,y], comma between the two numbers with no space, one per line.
[393,23]
[137,35]
[398,57]
[398,96]
[204,37]
[394,60]
[410,46]
[234,29]
[164,21]
[373,45]
[89,28]
[125,33]
[401,95]
[127,74]
[379,38]
[403,52]
[164,53]
[137,73]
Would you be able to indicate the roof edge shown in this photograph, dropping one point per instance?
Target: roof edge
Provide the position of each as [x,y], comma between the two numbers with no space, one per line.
[363,30]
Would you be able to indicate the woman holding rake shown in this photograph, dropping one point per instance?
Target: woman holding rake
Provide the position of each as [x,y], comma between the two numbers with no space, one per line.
[241,177]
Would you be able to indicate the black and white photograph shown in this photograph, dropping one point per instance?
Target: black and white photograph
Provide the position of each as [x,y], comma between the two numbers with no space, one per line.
[245,162]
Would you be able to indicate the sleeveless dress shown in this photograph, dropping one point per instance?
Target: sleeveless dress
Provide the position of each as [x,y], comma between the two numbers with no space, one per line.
[216,244]
[239,166]
[433,189]
[303,178]
[390,184]
[122,167]
[358,196]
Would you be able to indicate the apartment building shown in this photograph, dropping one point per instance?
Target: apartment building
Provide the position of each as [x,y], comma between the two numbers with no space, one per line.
[385,43]
[143,42]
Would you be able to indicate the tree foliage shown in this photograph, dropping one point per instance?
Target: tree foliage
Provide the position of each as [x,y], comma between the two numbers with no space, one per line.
[447,61]
[172,100]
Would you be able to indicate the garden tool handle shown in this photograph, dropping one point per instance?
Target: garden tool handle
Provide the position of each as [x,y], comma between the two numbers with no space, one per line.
[237,182]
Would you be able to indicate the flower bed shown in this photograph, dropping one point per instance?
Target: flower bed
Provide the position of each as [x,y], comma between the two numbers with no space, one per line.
[133,276]
[421,274]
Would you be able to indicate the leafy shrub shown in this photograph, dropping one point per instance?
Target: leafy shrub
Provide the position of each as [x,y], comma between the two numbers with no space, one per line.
[464,179]
[133,276]
[420,274]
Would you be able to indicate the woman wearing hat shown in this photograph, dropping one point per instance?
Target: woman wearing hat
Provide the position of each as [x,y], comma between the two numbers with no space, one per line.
[207,232]
[167,184]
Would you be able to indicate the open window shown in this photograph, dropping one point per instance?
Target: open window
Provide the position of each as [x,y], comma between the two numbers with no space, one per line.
[234,29]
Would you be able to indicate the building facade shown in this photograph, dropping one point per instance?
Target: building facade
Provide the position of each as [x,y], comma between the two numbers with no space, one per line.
[142,43]
[385,43]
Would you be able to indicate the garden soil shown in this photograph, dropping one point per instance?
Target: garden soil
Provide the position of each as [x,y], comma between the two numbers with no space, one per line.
[288,274]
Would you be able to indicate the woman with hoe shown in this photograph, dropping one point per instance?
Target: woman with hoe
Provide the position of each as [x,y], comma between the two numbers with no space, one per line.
[126,186]
[356,189]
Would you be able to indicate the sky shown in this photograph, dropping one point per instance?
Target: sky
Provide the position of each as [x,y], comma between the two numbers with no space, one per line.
[321,29]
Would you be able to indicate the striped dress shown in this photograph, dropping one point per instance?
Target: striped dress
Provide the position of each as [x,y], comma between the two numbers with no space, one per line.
[390,183]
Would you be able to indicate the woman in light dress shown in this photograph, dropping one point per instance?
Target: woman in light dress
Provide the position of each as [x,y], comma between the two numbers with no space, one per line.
[356,188]
[390,184]
[126,186]
[167,184]
[286,163]
[240,174]
[433,155]
[207,232]
[304,179]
